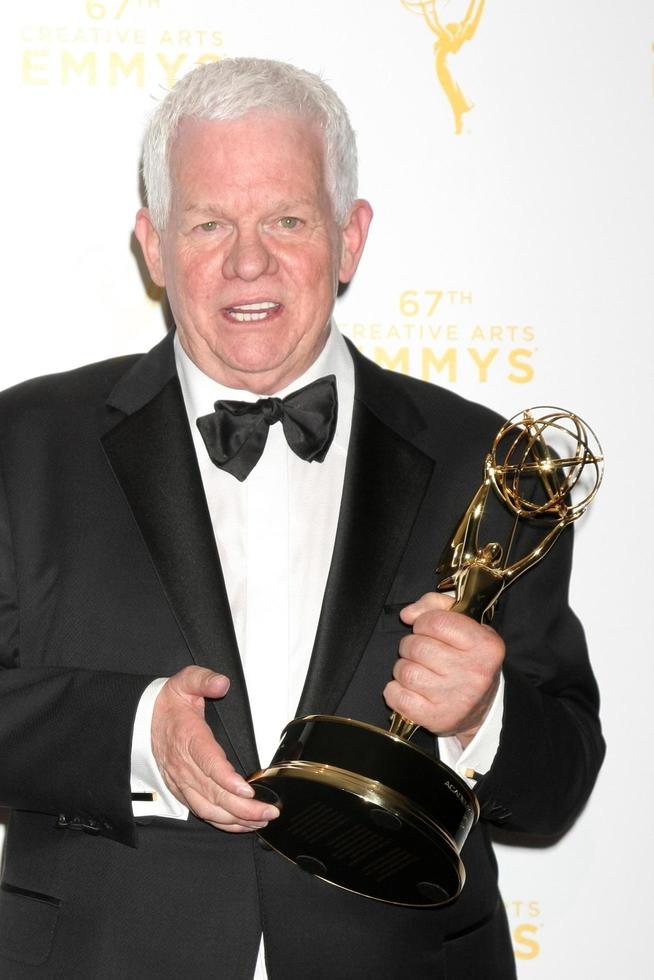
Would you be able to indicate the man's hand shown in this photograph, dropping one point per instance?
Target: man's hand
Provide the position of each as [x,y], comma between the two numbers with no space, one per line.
[448,669]
[192,763]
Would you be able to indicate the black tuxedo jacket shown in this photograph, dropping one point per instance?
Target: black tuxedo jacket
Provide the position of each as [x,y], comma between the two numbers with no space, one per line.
[109,577]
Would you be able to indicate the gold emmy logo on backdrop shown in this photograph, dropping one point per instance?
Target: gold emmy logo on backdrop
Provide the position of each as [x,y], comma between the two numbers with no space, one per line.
[449,39]
[525,923]
[363,808]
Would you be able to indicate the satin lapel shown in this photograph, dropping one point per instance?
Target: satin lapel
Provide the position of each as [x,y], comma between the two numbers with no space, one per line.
[151,453]
[385,482]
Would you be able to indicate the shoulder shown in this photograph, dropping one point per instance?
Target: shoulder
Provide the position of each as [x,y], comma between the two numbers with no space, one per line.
[56,411]
[66,389]
[426,413]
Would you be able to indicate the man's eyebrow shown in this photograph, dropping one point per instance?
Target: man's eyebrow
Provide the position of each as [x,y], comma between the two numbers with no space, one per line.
[283,205]
[213,208]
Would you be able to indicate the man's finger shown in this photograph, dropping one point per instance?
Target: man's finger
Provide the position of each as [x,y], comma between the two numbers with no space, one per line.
[200,682]
[256,815]
[427,602]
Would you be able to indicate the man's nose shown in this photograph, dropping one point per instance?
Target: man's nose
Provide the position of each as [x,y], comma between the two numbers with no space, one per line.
[249,257]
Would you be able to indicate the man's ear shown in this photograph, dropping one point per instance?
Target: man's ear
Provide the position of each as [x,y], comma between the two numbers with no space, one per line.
[150,242]
[353,238]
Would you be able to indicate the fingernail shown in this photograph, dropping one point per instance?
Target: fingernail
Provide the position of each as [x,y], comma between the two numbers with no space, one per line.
[244,789]
[270,813]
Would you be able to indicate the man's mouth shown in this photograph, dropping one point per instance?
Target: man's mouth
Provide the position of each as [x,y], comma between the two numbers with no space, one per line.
[247,312]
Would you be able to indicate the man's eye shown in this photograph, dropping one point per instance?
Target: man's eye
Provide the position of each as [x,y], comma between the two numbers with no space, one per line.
[209,225]
[289,223]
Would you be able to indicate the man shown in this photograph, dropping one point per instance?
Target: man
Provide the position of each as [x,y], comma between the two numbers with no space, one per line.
[173,591]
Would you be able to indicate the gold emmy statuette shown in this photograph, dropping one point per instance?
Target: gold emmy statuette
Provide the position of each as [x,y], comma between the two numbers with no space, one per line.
[363,808]
[450,37]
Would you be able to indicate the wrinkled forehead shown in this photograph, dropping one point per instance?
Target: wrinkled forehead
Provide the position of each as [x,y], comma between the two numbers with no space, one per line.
[257,152]
[301,133]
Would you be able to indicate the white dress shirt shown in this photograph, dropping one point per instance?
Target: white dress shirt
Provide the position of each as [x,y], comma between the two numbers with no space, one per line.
[275,534]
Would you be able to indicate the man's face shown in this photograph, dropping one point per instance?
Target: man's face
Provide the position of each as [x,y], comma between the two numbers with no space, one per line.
[251,255]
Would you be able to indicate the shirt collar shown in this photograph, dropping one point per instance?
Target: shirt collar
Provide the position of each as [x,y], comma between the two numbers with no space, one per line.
[201,392]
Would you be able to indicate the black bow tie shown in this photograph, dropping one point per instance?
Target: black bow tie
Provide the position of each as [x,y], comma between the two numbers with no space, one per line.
[235,433]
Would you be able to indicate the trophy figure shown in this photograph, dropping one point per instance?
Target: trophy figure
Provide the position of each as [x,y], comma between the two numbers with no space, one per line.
[449,39]
[363,808]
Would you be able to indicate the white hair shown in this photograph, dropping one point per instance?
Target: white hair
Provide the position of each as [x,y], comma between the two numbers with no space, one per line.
[234,87]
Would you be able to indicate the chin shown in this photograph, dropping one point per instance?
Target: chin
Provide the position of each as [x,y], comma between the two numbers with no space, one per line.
[260,358]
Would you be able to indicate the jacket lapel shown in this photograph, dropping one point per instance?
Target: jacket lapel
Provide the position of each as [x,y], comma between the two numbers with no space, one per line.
[385,481]
[386,478]
[152,455]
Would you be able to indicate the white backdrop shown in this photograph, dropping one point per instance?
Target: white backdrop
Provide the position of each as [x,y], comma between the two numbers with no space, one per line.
[511,261]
